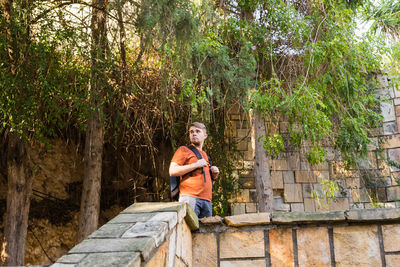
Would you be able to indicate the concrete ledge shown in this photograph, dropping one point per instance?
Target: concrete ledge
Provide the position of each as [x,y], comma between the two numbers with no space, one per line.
[248,219]
[307,217]
[373,215]
[133,237]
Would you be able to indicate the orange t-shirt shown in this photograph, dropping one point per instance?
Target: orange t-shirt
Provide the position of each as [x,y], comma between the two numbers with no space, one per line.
[193,184]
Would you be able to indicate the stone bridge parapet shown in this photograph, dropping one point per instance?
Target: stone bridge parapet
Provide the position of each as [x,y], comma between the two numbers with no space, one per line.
[169,234]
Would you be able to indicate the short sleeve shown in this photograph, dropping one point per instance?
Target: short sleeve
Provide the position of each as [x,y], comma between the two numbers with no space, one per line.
[180,156]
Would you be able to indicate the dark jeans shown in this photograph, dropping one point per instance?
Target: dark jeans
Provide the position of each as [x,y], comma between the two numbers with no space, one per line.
[202,208]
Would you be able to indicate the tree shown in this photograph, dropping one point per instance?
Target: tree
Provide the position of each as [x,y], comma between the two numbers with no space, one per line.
[90,201]
[385,16]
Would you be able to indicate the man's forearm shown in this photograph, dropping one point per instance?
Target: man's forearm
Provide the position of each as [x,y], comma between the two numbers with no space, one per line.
[178,170]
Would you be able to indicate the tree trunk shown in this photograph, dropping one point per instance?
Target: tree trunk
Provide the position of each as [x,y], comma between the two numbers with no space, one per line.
[265,196]
[90,201]
[18,201]
[122,37]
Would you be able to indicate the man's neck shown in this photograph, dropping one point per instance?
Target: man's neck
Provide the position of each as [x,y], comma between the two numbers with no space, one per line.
[200,147]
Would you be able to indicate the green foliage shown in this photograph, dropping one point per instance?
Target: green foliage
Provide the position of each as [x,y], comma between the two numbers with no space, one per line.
[326,194]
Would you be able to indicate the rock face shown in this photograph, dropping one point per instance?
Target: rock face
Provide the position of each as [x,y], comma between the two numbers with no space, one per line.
[205,250]
[391,237]
[242,244]
[281,247]
[357,246]
[313,247]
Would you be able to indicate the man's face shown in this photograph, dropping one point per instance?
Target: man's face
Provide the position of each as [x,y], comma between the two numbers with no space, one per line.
[197,135]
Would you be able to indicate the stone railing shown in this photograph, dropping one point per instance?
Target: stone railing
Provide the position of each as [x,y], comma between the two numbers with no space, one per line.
[168,234]
[144,234]
[369,237]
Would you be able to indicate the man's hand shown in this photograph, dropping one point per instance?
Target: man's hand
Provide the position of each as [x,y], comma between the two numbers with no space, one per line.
[214,171]
[201,163]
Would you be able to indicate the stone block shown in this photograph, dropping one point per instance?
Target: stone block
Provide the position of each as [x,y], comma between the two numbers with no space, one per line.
[387,111]
[71,258]
[143,245]
[313,247]
[339,204]
[168,217]
[241,143]
[146,207]
[296,217]
[248,219]
[156,230]
[305,166]
[186,244]
[248,164]
[63,265]
[247,183]
[251,207]
[243,195]
[394,154]
[307,188]
[243,263]
[393,193]
[392,141]
[382,81]
[277,179]
[321,175]
[191,218]
[389,128]
[373,215]
[396,101]
[398,122]
[293,161]
[390,205]
[392,260]
[288,177]
[381,194]
[211,220]
[297,207]
[279,165]
[391,237]
[111,230]
[244,244]
[323,166]
[357,246]
[352,182]
[310,205]
[238,208]
[205,250]
[305,177]
[243,133]
[397,111]
[159,259]
[293,193]
[253,195]
[131,218]
[281,247]
[172,247]
[279,205]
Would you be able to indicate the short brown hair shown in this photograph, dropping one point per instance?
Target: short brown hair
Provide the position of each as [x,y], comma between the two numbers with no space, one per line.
[198,125]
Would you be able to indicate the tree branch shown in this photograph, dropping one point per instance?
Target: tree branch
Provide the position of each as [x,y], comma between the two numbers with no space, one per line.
[62,4]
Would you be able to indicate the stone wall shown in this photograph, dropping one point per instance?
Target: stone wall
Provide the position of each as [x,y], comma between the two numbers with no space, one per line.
[338,238]
[144,234]
[169,234]
[293,178]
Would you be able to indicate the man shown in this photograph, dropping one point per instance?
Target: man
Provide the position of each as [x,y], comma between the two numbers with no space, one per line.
[196,182]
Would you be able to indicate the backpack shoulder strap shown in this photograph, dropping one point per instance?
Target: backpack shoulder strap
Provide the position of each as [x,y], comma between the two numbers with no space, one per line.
[195,151]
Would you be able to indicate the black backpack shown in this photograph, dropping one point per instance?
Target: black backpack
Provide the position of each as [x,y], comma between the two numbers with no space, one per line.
[175,180]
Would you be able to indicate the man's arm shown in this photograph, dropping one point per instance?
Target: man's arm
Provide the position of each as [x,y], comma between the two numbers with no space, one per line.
[215,172]
[177,170]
